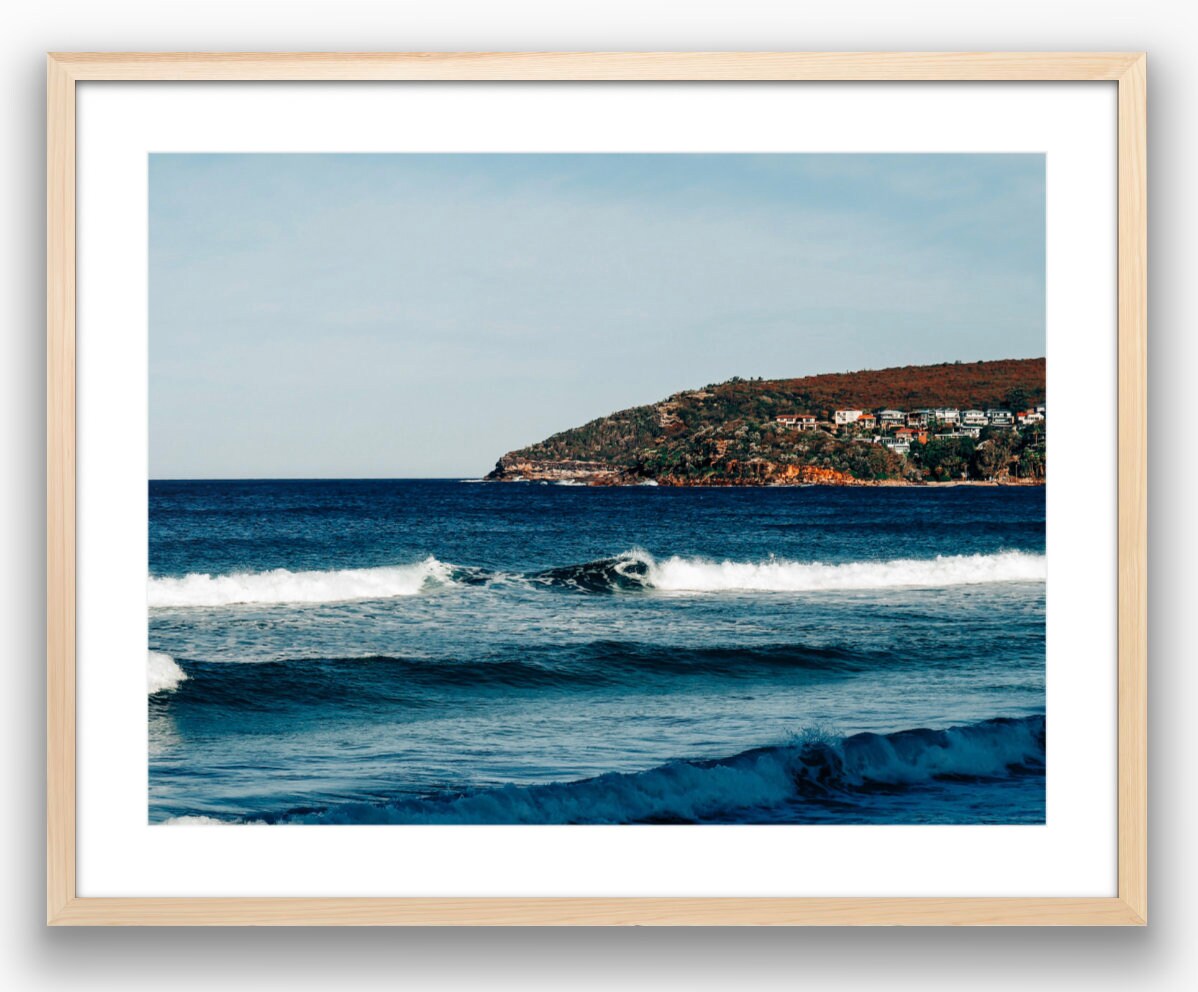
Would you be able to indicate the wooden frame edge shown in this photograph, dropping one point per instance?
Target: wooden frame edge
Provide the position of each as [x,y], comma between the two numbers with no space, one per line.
[598,912]
[1133,487]
[1128,908]
[60,488]
[682,66]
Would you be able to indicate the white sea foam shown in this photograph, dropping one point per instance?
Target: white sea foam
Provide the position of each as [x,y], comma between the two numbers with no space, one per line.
[162,673]
[677,574]
[283,586]
[632,569]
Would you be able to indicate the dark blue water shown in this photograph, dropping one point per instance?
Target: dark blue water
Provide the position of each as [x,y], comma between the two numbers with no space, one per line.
[450,652]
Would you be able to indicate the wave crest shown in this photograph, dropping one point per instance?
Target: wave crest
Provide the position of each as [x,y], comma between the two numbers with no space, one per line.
[163,673]
[372,680]
[631,571]
[283,586]
[706,791]
[639,570]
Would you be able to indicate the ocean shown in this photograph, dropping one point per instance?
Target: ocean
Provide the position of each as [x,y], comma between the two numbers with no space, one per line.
[451,651]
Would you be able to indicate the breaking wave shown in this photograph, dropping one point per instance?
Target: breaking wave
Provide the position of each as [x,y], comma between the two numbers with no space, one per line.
[640,570]
[693,791]
[372,681]
[283,586]
[631,571]
[163,674]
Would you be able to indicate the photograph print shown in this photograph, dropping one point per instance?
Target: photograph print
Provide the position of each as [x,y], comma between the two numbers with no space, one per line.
[596,489]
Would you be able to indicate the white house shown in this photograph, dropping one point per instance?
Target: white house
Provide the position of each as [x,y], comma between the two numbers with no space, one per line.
[1029,416]
[974,418]
[918,418]
[899,445]
[803,421]
[891,418]
[946,415]
[842,418]
[999,418]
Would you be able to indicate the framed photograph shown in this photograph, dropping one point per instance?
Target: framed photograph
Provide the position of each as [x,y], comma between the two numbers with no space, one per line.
[597,488]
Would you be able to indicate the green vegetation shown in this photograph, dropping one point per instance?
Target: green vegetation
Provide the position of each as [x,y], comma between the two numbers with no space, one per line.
[1015,453]
[608,439]
[944,459]
[756,451]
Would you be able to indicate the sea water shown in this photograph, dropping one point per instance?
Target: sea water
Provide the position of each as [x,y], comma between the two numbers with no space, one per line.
[450,651]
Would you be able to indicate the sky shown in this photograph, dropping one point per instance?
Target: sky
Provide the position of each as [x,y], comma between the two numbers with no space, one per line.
[412,315]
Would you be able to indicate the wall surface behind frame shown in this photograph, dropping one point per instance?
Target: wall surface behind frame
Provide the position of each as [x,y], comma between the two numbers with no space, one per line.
[1158,957]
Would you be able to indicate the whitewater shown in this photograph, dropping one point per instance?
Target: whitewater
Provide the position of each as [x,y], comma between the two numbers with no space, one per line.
[282,586]
[163,674]
[635,568]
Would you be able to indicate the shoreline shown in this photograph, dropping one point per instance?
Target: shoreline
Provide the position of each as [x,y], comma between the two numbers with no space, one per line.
[860,484]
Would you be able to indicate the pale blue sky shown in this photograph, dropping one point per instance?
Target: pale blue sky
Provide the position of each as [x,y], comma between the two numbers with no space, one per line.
[419,315]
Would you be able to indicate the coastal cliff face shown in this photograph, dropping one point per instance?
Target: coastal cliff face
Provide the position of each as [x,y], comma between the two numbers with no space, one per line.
[728,434]
[516,466]
[758,472]
[764,473]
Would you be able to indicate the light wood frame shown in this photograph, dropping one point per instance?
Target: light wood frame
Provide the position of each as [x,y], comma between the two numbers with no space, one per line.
[1129,907]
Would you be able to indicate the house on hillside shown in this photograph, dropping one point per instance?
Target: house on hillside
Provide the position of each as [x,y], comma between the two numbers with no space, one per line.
[1029,417]
[919,418]
[974,418]
[999,418]
[910,434]
[803,421]
[891,418]
[867,421]
[900,446]
[946,415]
[842,418]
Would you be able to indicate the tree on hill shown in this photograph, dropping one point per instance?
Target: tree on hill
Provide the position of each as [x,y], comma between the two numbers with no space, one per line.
[944,458]
[1017,398]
